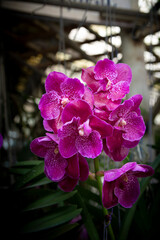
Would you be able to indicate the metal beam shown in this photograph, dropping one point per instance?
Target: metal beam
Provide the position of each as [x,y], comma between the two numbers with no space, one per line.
[73,11]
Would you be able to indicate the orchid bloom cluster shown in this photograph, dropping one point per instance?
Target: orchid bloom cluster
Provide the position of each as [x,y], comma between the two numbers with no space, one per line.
[82,120]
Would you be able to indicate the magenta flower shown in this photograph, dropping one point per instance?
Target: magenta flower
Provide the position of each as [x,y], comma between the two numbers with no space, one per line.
[47,147]
[77,169]
[67,172]
[129,128]
[108,77]
[55,124]
[127,118]
[1,140]
[81,132]
[114,146]
[60,90]
[122,186]
[109,82]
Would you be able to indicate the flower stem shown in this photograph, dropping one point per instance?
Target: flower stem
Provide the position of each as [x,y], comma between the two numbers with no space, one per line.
[99,182]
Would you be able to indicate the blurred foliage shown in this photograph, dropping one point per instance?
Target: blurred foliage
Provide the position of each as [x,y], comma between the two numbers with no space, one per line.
[34,208]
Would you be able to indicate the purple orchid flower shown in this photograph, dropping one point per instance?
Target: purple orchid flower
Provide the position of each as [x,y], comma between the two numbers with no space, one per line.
[1,140]
[55,124]
[77,169]
[67,172]
[109,82]
[108,77]
[127,118]
[129,128]
[60,90]
[122,186]
[47,147]
[81,131]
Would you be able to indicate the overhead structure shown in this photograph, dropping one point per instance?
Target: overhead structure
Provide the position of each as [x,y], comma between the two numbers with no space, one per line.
[44,35]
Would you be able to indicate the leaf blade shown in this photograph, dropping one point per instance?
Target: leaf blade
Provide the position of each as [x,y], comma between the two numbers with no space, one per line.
[51,220]
[50,200]
[33,173]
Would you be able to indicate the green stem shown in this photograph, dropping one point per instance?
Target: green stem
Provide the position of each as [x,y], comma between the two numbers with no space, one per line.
[105,211]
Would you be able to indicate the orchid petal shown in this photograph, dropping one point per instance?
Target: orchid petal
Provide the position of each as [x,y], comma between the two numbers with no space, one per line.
[49,105]
[101,100]
[72,88]
[142,170]
[76,108]
[104,128]
[88,77]
[135,127]
[109,199]
[84,168]
[121,110]
[89,146]
[127,190]
[68,184]
[124,73]
[53,82]
[73,167]
[55,165]
[105,69]
[118,91]
[39,146]
[114,147]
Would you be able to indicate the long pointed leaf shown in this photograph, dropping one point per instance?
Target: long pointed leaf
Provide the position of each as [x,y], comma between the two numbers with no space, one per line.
[39,182]
[49,200]
[58,231]
[91,229]
[52,220]
[33,173]
[28,163]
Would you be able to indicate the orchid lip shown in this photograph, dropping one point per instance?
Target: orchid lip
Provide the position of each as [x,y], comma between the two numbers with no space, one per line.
[64,101]
[81,132]
[56,151]
[125,177]
[108,85]
[122,123]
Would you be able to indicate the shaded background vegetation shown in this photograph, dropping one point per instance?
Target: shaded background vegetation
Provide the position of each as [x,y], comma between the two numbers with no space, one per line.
[32,207]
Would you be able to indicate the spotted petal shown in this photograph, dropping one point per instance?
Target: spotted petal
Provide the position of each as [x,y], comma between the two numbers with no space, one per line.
[89,146]
[55,165]
[124,73]
[72,88]
[127,191]
[49,105]
[53,82]
[39,146]
[88,77]
[105,69]
[135,127]
[114,146]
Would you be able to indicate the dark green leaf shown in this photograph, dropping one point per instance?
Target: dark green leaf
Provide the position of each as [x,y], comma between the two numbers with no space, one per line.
[91,229]
[28,163]
[19,171]
[58,231]
[39,182]
[61,216]
[50,199]
[33,173]
[88,194]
